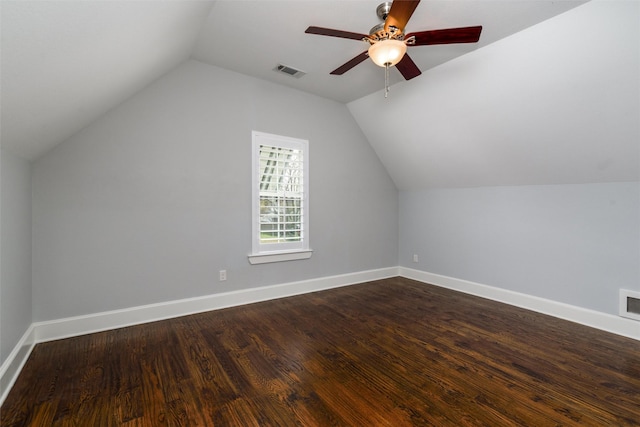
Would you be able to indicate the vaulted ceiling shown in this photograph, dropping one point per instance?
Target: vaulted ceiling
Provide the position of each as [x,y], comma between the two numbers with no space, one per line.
[558,103]
[65,63]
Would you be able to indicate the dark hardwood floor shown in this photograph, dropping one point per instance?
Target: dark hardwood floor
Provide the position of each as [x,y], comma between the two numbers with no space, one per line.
[387,353]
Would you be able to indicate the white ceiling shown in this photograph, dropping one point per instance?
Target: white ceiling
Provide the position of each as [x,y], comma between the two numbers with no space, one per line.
[65,63]
[252,37]
[558,103]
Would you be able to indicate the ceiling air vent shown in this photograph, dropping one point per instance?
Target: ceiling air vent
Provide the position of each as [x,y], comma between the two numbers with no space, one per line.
[630,304]
[289,71]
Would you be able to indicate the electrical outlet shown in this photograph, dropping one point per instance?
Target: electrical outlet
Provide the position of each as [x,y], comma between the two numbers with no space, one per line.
[415,257]
[223,275]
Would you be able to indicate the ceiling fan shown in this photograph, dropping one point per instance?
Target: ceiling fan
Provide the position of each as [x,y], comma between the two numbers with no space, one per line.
[388,42]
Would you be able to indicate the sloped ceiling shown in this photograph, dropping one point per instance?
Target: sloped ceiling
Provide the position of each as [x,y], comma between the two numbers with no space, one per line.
[65,63]
[558,103]
[252,37]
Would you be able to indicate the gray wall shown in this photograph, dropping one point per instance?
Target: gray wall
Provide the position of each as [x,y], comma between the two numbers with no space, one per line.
[148,203]
[518,163]
[577,244]
[15,263]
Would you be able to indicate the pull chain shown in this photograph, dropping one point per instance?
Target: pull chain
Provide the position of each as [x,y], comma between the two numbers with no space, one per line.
[386,79]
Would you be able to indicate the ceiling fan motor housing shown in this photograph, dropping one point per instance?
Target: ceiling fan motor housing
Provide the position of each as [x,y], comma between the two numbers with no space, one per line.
[377,32]
[383,10]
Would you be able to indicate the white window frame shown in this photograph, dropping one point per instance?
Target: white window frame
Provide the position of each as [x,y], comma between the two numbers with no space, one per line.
[276,252]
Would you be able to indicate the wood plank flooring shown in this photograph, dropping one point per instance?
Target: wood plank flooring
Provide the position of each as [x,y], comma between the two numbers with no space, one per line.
[386,353]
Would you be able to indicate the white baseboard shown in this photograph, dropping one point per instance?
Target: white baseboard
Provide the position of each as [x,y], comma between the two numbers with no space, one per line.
[81,325]
[595,319]
[11,367]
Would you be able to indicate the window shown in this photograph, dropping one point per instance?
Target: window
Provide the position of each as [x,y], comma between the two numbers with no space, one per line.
[280,198]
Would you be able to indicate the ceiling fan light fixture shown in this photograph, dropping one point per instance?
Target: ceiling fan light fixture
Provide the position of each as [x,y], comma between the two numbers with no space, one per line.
[387,52]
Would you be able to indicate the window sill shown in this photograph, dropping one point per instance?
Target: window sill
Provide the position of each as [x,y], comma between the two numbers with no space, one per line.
[279,256]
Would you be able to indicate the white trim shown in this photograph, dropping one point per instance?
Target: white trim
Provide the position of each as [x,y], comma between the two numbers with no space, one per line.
[265,258]
[14,363]
[257,140]
[624,295]
[595,319]
[73,326]
[80,325]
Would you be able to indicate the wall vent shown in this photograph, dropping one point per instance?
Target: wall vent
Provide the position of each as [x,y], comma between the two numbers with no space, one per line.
[630,304]
[289,71]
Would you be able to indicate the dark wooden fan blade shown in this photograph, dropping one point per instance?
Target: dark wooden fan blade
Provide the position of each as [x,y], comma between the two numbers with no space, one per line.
[349,65]
[399,14]
[408,68]
[335,33]
[448,36]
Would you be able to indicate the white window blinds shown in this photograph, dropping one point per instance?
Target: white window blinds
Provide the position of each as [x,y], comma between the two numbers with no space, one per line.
[280,193]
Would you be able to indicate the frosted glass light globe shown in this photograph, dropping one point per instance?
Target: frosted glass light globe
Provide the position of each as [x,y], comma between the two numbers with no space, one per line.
[387,52]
